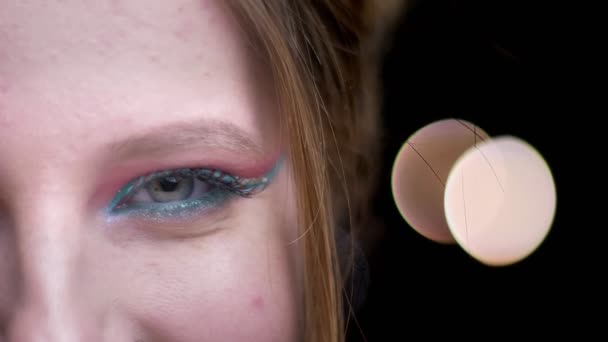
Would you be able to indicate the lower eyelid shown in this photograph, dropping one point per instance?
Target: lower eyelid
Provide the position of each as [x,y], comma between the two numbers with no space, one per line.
[198,223]
[171,210]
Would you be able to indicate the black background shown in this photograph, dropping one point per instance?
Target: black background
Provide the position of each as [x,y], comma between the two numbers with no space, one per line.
[486,62]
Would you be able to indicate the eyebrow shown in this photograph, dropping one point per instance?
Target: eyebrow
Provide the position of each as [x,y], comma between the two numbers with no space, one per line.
[208,133]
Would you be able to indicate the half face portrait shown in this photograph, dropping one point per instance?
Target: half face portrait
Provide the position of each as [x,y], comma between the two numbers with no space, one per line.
[145,183]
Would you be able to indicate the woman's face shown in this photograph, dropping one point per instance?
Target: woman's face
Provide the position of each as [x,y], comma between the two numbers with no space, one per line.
[93,96]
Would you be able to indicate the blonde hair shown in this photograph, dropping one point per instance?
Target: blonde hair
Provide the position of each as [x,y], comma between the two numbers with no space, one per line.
[323,58]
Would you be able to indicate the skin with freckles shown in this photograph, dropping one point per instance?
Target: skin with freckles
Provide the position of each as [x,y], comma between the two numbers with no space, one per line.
[93,95]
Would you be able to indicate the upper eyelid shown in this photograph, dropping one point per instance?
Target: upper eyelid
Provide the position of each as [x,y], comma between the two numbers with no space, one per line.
[216,176]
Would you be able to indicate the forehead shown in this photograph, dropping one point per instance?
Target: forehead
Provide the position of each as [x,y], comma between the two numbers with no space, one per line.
[114,66]
[46,34]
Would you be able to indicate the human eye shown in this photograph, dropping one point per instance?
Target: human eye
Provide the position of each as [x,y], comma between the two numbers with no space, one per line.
[181,192]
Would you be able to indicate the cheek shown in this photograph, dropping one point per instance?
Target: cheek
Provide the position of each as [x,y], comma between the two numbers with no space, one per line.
[230,309]
[238,285]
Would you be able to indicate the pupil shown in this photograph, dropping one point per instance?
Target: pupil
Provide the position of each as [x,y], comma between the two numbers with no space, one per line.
[168,185]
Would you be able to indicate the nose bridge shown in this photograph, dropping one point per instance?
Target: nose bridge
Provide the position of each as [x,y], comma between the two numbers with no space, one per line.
[47,250]
[42,204]
[35,323]
[47,236]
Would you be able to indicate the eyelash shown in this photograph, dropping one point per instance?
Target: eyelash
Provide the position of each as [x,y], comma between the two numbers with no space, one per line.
[223,187]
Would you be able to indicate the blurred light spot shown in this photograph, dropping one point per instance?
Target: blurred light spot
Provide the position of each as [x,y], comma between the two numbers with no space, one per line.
[500,201]
[421,169]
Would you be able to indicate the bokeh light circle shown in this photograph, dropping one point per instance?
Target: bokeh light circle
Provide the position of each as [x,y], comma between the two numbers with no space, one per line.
[421,169]
[500,201]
